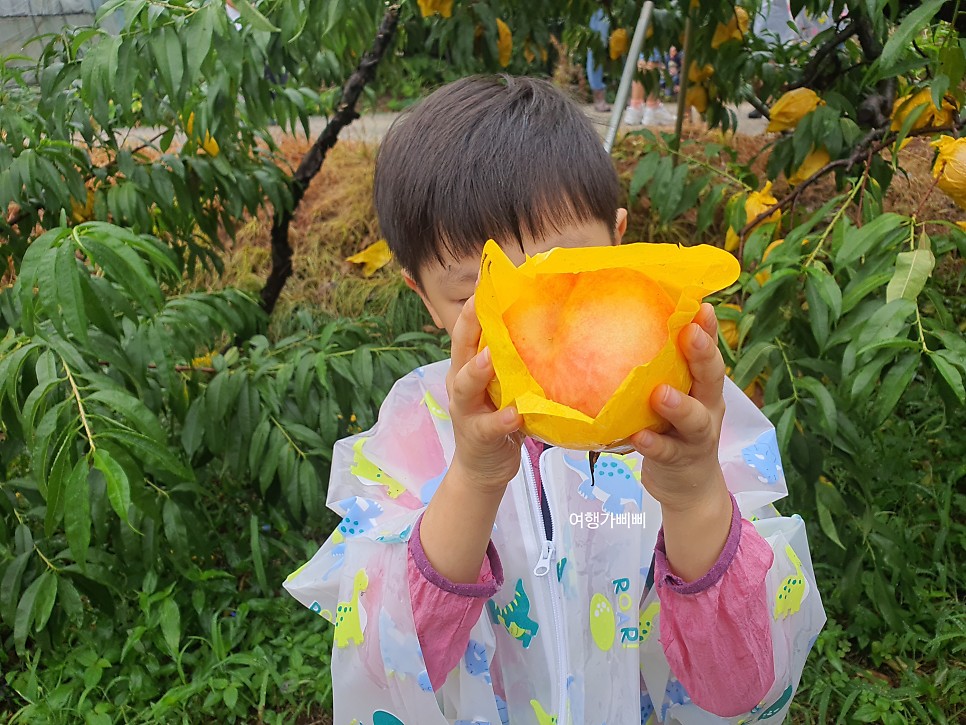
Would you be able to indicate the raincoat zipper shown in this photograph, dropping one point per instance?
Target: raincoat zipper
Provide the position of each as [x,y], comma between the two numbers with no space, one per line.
[544,567]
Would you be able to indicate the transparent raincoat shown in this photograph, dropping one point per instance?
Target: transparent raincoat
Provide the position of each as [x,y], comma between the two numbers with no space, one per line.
[573,636]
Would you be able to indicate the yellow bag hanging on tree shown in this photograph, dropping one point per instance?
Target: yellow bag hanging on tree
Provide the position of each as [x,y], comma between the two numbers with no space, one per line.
[581,337]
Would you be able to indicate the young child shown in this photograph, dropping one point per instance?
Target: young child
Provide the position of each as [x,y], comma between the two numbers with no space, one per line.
[480,577]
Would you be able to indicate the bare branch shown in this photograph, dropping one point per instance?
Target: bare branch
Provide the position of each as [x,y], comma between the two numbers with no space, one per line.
[811,71]
[871,45]
[922,202]
[148,143]
[759,106]
[345,114]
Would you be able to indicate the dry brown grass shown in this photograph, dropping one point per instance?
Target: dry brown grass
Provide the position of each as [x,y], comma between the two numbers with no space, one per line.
[335,220]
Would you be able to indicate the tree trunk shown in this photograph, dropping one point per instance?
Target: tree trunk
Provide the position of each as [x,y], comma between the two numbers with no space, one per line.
[312,161]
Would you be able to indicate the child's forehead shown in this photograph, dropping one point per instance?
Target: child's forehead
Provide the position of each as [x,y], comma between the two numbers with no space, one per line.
[465,266]
[466,269]
[448,270]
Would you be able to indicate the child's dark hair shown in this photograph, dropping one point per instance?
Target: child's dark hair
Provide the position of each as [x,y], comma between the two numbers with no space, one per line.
[483,157]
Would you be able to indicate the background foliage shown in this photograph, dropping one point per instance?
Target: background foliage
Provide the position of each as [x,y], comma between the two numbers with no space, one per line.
[847,324]
[163,450]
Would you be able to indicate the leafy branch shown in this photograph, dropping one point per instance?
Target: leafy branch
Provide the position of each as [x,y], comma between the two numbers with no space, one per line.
[912,246]
[48,562]
[691,160]
[874,142]
[292,443]
[831,225]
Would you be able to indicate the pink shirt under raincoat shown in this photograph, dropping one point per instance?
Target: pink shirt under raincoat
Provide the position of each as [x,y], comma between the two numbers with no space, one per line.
[586,626]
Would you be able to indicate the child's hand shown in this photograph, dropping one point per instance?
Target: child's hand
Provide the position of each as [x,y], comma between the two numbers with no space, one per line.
[681,468]
[487,440]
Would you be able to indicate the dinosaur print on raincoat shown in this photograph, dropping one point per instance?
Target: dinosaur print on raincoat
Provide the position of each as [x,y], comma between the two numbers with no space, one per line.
[475,660]
[401,654]
[763,456]
[614,482]
[788,600]
[515,616]
[350,617]
[360,516]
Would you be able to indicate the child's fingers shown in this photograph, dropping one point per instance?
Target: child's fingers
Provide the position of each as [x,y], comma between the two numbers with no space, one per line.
[469,384]
[469,399]
[653,446]
[706,365]
[466,336]
[495,426]
[707,320]
[691,420]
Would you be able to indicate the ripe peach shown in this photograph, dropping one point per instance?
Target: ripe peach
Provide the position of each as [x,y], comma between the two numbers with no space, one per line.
[581,335]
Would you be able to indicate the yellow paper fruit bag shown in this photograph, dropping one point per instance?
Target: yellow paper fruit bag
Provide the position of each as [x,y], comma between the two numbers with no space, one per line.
[791,108]
[816,160]
[929,116]
[619,43]
[431,7]
[697,96]
[579,338]
[756,204]
[699,74]
[504,43]
[950,168]
[735,29]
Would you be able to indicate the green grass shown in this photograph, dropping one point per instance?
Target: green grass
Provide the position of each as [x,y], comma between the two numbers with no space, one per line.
[243,654]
